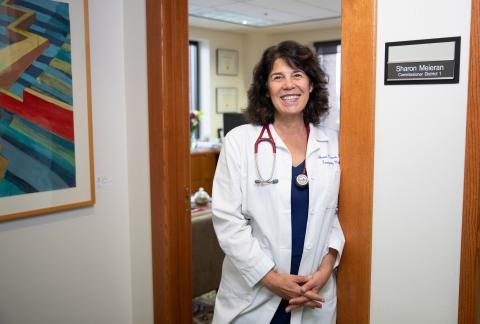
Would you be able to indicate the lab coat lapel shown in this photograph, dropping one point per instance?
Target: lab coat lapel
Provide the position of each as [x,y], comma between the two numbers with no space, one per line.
[318,189]
[317,135]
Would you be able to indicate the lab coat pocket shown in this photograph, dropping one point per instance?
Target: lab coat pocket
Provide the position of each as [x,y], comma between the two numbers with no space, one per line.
[258,199]
[332,196]
[331,200]
[330,214]
[232,283]
[232,299]
[327,314]
[325,183]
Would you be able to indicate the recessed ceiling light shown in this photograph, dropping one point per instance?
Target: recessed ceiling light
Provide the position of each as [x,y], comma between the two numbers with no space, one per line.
[232,17]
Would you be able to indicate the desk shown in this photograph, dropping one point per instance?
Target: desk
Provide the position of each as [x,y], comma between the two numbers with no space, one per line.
[203,164]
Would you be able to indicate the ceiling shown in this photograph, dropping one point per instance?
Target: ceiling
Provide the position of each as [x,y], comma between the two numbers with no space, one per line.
[245,15]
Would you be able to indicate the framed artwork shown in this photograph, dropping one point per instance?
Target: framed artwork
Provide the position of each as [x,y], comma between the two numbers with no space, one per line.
[46,160]
[226,100]
[227,62]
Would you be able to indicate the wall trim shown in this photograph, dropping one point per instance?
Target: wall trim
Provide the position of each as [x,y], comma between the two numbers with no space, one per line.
[468,308]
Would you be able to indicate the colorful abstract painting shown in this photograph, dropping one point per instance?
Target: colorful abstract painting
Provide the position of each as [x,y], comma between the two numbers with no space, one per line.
[37,144]
[46,154]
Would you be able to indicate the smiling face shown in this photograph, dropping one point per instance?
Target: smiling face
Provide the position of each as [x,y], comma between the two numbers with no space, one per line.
[289,89]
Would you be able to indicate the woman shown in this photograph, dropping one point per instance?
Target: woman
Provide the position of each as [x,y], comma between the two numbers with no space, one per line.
[275,214]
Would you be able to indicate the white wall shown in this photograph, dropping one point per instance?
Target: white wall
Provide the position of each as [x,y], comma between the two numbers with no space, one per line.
[226,40]
[78,266]
[418,184]
[93,265]
[136,95]
[308,37]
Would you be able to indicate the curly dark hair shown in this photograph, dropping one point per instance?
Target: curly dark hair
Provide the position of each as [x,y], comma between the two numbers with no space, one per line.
[260,109]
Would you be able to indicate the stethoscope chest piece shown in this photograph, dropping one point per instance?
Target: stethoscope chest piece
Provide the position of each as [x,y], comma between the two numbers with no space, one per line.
[301,180]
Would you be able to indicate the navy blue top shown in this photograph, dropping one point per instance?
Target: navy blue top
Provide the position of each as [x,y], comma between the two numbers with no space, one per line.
[299,217]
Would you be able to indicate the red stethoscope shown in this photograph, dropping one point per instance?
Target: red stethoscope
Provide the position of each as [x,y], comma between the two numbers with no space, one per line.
[301,180]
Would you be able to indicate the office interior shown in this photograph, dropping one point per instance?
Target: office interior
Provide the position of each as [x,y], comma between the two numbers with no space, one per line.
[94,264]
[206,38]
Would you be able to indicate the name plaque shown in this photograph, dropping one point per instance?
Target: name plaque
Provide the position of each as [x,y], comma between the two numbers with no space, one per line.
[422,61]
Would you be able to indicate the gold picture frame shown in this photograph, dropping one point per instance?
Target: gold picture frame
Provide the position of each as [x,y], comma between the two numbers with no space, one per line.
[46,146]
[227,62]
[226,99]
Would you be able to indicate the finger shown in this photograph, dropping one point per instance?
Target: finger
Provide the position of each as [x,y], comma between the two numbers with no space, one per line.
[309,285]
[298,300]
[312,295]
[295,290]
[302,279]
[297,280]
[290,287]
[313,304]
[291,308]
[306,287]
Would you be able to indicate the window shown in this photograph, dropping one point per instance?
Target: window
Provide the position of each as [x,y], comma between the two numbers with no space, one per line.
[329,55]
[194,79]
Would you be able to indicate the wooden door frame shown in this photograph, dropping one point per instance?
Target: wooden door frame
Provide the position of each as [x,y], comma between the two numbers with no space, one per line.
[169,136]
[468,308]
[357,135]
[167,61]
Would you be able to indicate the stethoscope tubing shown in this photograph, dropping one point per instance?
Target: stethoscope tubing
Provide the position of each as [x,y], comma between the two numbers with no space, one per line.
[262,181]
[270,179]
[270,140]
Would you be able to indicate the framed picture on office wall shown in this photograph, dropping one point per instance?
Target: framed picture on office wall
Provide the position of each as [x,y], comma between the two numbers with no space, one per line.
[46,159]
[227,62]
[226,100]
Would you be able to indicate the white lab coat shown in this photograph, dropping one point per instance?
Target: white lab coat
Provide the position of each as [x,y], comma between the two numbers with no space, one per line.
[253,224]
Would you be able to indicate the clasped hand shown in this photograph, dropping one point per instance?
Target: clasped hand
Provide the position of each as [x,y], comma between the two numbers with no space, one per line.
[302,290]
[299,290]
